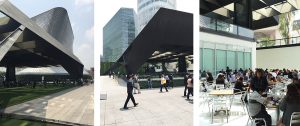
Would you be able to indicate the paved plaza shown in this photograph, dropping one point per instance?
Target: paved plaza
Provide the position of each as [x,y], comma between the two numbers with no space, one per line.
[154,109]
[74,105]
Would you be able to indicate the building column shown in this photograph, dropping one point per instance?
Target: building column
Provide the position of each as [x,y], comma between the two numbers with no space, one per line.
[10,74]
[243,13]
[182,65]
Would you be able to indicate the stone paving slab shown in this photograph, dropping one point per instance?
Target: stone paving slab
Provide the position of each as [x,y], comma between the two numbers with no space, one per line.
[74,105]
[154,109]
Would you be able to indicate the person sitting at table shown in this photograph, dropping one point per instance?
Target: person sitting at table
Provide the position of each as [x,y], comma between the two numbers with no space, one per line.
[271,78]
[233,78]
[210,78]
[257,107]
[289,104]
[220,80]
[259,81]
[239,86]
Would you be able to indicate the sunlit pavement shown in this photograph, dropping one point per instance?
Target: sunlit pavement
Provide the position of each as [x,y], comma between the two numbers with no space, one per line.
[74,105]
[154,109]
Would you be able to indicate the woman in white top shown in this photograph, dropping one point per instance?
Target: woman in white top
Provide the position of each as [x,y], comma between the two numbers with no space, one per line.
[190,87]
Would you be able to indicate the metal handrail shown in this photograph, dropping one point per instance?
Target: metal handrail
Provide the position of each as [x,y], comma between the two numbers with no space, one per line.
[236,28]
[278,42]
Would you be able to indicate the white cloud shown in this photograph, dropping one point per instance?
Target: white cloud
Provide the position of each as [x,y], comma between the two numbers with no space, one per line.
[83,2]
[90,33]
[85,52]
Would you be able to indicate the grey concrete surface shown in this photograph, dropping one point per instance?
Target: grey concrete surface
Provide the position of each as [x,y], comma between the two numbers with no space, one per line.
[154,109]
[74,105]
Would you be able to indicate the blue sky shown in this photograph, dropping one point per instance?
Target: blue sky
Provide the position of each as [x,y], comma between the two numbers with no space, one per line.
[81,14]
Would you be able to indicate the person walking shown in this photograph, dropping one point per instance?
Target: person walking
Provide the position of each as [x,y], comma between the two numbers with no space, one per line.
[185,84]
[136,84]
[129,92]
[171,81]
[163,83]
[167,81]
[190,87]
[149,82]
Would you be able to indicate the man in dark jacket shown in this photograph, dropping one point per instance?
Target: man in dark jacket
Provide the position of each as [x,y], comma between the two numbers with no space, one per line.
[129,92]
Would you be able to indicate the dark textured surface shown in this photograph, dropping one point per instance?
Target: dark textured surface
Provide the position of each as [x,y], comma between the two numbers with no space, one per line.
[45,43]
[56,22]
[168,31]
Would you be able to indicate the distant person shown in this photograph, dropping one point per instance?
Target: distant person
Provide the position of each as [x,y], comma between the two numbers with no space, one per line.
[239,86]
[129,92]
[259,81]
[149,81]
[163,83]
[210,78]
[228,73]
[185,84]
[190,87]
[220,81]
[203,74]
[171,81]
[136,84]
[109,74]
[167,81]
[113,75]
[289,104]
[233,78]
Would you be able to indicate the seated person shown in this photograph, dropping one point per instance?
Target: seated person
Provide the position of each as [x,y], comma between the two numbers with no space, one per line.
[259,81]
[271,78]
[232,78]
[220,80]
[257,107]
[239,86]
[209,78]
[289,104]
[203,74]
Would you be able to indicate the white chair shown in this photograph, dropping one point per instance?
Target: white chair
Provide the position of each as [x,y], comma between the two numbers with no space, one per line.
[221,103]
[295,119]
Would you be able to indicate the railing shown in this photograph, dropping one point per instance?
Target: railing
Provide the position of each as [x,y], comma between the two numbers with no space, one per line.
[278,42]
[217,25]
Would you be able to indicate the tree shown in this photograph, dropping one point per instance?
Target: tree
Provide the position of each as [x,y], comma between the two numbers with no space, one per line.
[266,41]
[285,20]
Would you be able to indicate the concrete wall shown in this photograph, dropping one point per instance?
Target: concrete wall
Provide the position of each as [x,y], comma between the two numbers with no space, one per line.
[286,57]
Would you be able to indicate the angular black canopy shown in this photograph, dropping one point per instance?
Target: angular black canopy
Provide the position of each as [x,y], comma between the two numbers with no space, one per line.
[167,36]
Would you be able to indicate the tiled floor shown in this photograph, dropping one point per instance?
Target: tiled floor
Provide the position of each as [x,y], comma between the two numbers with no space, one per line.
[237,116]
[154,109]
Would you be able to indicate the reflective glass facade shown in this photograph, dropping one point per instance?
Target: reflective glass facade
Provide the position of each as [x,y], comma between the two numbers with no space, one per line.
[215,57]
[148,8]
[118,33]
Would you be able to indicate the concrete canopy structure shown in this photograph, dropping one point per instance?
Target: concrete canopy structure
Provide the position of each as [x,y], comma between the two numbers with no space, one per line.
[167,37]
[44,40]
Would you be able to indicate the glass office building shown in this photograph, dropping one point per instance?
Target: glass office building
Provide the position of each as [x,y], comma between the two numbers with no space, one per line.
[146,9]
[118,33]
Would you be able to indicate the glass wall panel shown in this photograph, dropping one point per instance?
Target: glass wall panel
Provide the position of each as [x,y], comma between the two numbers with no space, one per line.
[221,59]
[240,60]
[231,60]
[208,60]
[248,60]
